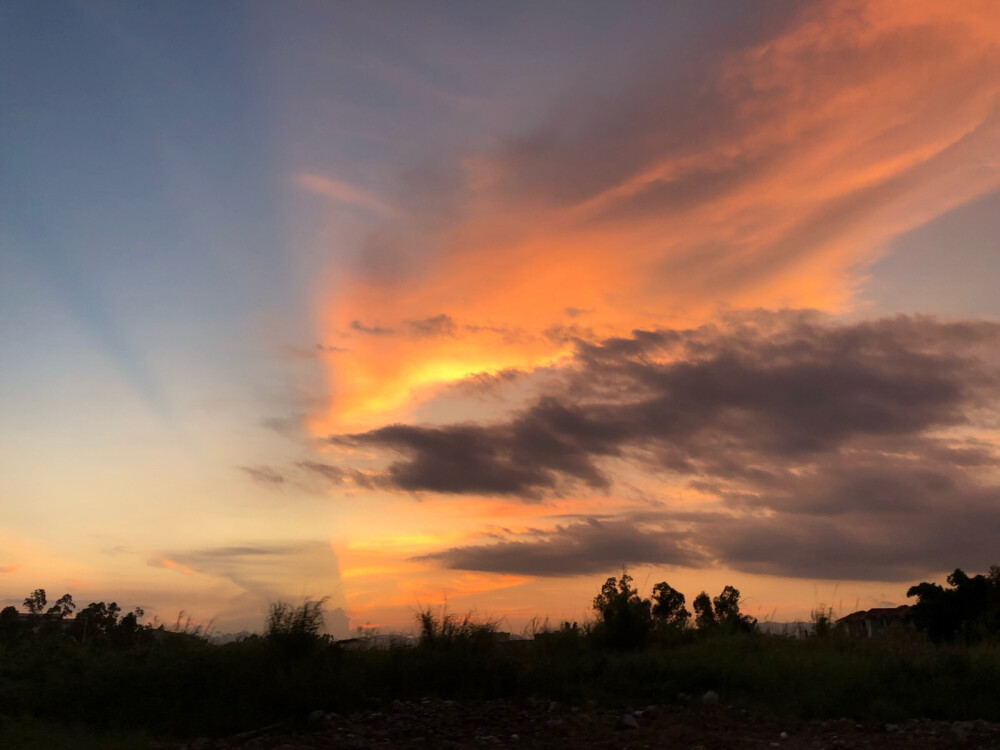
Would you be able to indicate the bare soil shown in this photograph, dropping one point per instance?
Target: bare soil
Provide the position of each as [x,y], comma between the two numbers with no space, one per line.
[464,724]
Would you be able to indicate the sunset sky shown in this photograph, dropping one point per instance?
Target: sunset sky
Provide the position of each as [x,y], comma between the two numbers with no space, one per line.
[474,303]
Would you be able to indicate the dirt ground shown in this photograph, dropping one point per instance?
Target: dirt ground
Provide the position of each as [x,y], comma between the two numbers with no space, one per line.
[542,724]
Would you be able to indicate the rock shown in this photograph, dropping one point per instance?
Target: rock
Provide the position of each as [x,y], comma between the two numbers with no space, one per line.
[315,717]
[961,729]
[711,698]
[783,735]
[628,721]
[515,738]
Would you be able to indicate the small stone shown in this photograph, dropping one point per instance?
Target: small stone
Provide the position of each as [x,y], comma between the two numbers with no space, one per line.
[553,706]
[515,738]
[783,735]
[628,721]
[316,716]
[711,698]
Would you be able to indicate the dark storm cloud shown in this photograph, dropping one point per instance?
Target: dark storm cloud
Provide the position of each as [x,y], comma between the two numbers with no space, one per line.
[591,546]
[897,538]
[863,544]
[745,402]
[836,451]
[531,454]
[859,516]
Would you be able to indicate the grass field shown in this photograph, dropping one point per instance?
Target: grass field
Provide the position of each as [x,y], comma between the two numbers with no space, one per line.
[51,690]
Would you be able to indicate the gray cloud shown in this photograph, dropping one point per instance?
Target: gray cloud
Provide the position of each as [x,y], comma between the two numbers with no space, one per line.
[264,475]
[486,383]
[333,473]
[437,325]
[261,570]
[748,402]
[527,456]
[832,448]
[590,546]
[358,327]
[337,475]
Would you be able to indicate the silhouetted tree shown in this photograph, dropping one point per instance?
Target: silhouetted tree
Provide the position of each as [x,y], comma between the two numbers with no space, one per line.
[727,612]
[626,618]
[35,604]
[10,624]
[63,607]
[722,613]
[127,631]
[704,615]
[668,605]
[95,623]
[968,611]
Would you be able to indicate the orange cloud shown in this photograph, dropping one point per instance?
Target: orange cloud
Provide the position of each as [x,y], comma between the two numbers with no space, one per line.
[771,181]
[166,562]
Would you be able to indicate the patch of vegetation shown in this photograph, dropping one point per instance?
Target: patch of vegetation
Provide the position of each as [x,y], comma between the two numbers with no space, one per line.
[123,682]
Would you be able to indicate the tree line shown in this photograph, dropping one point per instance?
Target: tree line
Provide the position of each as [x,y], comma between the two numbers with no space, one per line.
[968,611]
[627,621]
[98,623]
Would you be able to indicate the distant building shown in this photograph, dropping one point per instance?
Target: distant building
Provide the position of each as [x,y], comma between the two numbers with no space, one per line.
[871,622]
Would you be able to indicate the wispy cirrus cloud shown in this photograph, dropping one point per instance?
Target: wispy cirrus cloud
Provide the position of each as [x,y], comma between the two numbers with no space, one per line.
[768,175]
[343,192]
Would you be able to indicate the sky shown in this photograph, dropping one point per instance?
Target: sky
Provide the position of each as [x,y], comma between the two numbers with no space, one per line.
[474,305]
